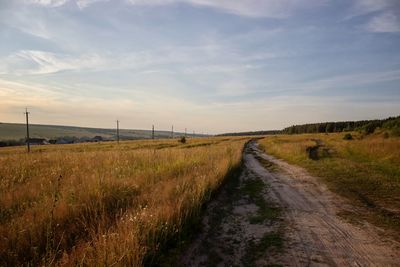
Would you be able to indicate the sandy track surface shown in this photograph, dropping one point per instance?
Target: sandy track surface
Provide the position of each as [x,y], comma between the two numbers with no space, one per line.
[312,232]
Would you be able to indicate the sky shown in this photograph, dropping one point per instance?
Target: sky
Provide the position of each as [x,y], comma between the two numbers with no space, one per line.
[210,66]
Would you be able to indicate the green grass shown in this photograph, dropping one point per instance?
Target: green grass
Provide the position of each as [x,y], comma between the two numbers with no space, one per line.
[365,170]
[255,189]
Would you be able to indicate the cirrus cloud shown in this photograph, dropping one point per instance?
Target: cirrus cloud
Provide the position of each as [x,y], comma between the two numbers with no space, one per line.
[42,62]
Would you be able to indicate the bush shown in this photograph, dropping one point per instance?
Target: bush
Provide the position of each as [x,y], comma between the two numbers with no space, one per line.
[182,140]
[386,135]
[370,127]
[395,131]
[348,136]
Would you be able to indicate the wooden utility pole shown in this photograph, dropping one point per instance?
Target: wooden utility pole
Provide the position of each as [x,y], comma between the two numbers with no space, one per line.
[185,132]
[172,132]
[152,133]
[27,130]
[118,131]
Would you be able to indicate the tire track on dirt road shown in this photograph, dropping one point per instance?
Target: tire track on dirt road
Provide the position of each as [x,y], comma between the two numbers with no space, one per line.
[316,235]
[307,231]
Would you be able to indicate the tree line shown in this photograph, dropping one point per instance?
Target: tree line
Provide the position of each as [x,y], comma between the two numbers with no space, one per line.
[366,126]
[252,133]
[391,124]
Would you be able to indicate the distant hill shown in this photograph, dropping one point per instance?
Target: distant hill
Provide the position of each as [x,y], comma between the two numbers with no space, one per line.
[17,131]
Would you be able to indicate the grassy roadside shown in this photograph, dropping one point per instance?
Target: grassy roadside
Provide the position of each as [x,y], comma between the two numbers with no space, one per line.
[365,170]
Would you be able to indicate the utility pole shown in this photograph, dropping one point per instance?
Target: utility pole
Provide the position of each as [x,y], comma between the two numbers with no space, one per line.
[152,132]
[27,130]
[185,132]
[172,132]
[118,131]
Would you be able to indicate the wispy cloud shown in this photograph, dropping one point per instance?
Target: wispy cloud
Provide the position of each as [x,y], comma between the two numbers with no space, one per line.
[364,79]
[49,3]
[385,22]
[249,8]
[41,62]
[362,7]
[383,15]
[22,21]
[57,3]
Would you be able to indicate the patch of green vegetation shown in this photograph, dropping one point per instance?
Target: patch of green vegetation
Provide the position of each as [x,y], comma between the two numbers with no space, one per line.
[199,145]
[348,136]
[162,146]
[231,194]
[256,250]
[254,189]
[266,163]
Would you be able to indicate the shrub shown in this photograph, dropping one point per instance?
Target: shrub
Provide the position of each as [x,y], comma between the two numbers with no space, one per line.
[348,136]
[182,140]
[386,135]
[370,127]
[395,131]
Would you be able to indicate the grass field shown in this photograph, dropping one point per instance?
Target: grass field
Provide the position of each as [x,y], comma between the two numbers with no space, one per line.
[16,131]
[104,204]
[365,170]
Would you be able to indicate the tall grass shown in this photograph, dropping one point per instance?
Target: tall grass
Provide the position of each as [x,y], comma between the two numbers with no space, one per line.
[104,204]
[365,170]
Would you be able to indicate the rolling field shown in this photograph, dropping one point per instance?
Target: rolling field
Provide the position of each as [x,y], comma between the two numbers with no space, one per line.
[365,170]
[16,131]
[105,204]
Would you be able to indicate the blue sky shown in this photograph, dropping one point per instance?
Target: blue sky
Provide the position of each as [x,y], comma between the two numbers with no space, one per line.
[207,65]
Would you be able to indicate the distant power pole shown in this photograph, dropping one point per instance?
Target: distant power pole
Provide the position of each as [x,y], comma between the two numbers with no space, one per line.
[118,131]
[172,132]
[152,133]
[185,132]
[194,133]
[27,129]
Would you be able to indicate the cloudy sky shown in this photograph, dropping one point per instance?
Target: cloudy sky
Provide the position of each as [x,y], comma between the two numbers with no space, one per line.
[207,65]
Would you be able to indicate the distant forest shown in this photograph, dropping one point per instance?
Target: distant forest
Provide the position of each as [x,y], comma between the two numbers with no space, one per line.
[391,124]
[366,126]
[252,133]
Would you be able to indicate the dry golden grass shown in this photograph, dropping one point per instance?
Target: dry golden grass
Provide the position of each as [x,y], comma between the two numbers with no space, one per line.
[105,204]
[366,170]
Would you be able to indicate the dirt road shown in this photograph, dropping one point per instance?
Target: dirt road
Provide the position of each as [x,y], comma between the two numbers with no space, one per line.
[277,214]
